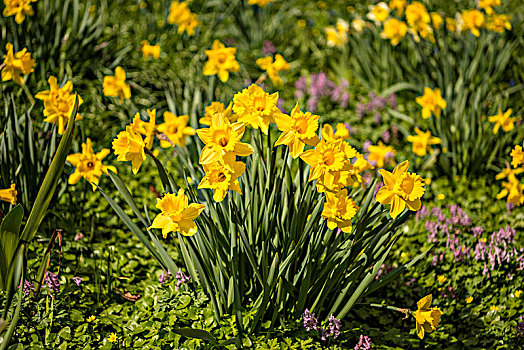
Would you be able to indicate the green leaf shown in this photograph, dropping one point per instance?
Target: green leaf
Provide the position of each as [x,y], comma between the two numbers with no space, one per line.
[9,233]
[196,333]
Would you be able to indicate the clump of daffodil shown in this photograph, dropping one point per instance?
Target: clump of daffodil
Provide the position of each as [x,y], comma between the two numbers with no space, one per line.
[273,67]
[298,130]
[418,19]
[176,130]
[337,35]
[19,9]
[146,128]
[378,13]
[9,194]
[16,64]
[218,107]
[116,86]
[330,164]
[338,210]
[381,154]
[394,30]
[436,20]
[222,178]
[517,155]
[398,5]
[498,23]
[260,3]
[129,146]
[487,5]
[473,20]
[59,103]
[422,141]
[88,165]
[222,141]
[432,103]
[150,50]
[221,61]
[401,189]
[426,317]
[502,120]
[341,133]
[176,214]
[256,107]
[181,15]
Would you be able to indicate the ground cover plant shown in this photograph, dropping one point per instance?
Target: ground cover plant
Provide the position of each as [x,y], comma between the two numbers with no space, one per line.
[261,174]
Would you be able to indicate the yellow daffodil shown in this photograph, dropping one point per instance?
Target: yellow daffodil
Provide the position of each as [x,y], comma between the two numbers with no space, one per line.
[9,194]
[59,103]
[378,13]
[260,3]
[112,338]
[469,299]
[221,178]
[176,130]
[221,61]
[494,308]
[90,318]
[358,24]
[88,165]
[508,172]
[222,141]
[272,68]
[16,64]
[341,133]
[498,23]
[381,154]
[518,293]
[502,120]
[148,129]
[441,279]
[517,155]
[181,15]
[298,130]
[218,107]
[330,164]
[176,214]
[19,9]
[418,20]
[427,318]
[401,189]
[514,191]
[437,20]
[394,30]
[451,24]
[432,103]
[487,5]
[473,20]
[398,5]
[129,146]
[359,166]
[338,210]
[256,107]
[150,50]
[337,35]
[422,141]
[116,86]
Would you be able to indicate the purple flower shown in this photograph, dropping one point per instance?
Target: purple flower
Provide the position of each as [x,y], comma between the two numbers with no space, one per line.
[509,207]
[386,136]
[79,236]
[364,343]
[309,320]
[181,278]
[520,327]
[365,145]
[268,48]
[164,277]
[77,280]
[393,101]
[28,287]
[52,282]
[477,231]
[280,105]
[334,326]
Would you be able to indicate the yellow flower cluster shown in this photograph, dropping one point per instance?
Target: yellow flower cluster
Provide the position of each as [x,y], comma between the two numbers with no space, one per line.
[181,15]
[513,189]
[133,143]
[502,120]
[16,64]
[9,194]
[59,103]
[221,61]
[422,141]
[337,35]
[19,9]
[427,319]
[88,165]
[431,102]
[116,86]
[273,67]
